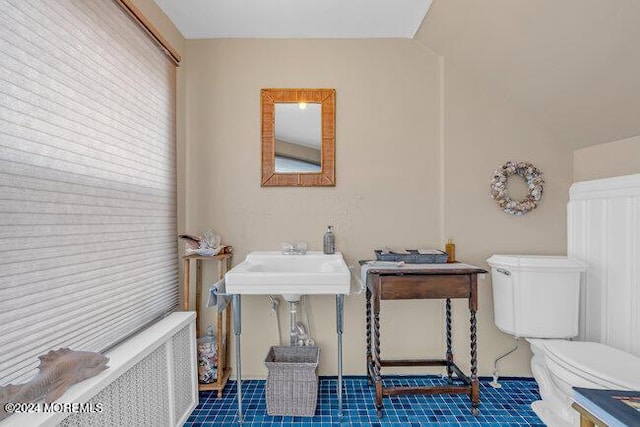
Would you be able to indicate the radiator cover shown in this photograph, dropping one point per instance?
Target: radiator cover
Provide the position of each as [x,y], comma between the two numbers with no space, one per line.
[151,380]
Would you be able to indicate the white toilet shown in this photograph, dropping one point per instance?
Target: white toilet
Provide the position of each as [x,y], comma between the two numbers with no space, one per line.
[537,298]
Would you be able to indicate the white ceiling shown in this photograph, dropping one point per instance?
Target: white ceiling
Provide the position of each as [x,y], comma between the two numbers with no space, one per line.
[197,19]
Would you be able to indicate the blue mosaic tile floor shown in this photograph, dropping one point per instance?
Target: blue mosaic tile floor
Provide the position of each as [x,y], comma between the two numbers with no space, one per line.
[507,406]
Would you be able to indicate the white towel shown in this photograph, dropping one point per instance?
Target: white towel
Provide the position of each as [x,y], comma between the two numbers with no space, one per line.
[364,268]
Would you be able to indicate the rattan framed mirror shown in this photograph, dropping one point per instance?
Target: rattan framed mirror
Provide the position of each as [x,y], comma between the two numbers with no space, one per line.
[298,137]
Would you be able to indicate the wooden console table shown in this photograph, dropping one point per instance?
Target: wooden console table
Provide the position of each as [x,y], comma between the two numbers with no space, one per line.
[223,322]
[421,281]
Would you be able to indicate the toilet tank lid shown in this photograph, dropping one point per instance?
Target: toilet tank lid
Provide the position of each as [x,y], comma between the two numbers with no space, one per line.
[559,262]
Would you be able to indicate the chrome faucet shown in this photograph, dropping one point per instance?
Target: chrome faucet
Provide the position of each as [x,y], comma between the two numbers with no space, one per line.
[294,249]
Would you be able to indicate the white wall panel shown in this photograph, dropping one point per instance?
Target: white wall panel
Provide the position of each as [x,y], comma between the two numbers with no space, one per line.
[603,218]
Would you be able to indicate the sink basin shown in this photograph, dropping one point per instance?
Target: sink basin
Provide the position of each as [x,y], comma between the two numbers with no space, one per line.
[289,275]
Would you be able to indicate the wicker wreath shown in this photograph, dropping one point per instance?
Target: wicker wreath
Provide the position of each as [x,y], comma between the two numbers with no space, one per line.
[531,175]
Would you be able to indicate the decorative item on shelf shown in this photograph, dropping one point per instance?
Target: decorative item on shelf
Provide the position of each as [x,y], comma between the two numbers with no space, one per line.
[226,250]
[206,245]
[191,242]
[450,249]
[534,181]
[208,357]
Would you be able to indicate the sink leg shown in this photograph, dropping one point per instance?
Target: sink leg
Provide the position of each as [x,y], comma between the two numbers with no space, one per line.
[340,329]
[237,329]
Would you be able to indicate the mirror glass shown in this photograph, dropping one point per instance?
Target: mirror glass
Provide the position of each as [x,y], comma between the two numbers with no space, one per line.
[298,137]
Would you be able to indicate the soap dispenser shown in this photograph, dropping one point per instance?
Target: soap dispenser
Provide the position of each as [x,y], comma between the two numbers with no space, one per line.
[329,246]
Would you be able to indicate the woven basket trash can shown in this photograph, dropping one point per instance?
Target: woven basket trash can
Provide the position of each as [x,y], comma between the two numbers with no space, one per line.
[292,383]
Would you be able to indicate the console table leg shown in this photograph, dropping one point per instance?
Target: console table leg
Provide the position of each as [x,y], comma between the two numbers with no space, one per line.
[376,359]
[379,399]
[448,331]
[475,391]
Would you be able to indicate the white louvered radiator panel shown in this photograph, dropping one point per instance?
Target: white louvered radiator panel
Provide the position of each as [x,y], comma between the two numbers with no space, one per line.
[139,397]
[151,381]
[604,231]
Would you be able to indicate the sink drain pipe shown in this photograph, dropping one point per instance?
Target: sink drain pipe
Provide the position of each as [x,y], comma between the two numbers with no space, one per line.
[293,331]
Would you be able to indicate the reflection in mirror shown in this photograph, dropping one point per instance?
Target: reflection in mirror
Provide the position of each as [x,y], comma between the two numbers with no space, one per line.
[298,137]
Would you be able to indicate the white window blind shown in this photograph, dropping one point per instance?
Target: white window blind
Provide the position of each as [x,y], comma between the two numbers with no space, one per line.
[88,250]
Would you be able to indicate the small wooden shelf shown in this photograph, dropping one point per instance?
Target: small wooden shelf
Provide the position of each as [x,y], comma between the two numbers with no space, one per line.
[223,318]
[218,384]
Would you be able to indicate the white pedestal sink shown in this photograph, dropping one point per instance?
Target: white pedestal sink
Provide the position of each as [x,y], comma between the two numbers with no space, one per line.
[289,275]
[264,273]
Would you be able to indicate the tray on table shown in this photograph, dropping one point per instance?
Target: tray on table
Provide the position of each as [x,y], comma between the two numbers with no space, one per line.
[413,257]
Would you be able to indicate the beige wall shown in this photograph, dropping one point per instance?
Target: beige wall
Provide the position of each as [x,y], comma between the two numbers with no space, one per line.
[395,112]
[417,141]
[607,160]
[387,173]
[573,65]
[481,132]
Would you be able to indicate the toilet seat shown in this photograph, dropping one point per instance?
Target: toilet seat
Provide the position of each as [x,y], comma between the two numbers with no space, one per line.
[609,367]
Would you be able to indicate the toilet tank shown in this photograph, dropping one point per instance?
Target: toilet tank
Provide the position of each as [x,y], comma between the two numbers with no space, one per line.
[536,296]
